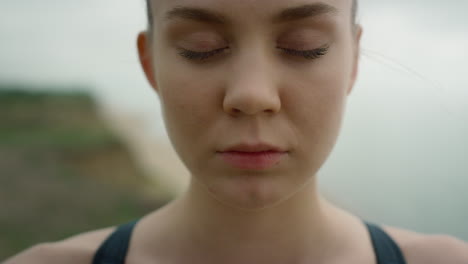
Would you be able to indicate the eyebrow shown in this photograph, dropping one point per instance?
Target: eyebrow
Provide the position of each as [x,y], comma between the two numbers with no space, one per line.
[287,15]
[304,11]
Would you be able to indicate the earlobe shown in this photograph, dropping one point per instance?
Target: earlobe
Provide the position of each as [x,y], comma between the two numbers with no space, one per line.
[144,52]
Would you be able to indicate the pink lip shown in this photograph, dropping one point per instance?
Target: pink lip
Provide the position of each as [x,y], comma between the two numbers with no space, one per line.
[258,147]
[253,157]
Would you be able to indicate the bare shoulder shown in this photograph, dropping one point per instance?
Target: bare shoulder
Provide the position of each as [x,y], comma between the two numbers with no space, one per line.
[429,249]
[78,249]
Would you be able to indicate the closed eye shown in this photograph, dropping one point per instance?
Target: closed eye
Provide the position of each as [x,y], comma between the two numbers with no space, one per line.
[307,54]
[193,55]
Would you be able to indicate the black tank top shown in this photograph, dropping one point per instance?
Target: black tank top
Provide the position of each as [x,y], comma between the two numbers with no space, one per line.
[114,249]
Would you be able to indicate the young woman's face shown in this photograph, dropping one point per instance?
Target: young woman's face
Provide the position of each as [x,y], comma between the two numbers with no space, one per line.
[257,72]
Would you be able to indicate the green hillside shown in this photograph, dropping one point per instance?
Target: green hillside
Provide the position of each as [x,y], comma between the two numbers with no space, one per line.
[62,171]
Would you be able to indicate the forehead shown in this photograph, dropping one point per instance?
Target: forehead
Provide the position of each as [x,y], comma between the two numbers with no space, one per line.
[247,11]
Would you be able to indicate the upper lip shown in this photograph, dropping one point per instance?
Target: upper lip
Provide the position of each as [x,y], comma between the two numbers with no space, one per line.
[256,147]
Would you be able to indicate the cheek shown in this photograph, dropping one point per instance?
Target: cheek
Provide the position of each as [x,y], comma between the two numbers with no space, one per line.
[316,98]
[188,106]
[180,103]
[317,115]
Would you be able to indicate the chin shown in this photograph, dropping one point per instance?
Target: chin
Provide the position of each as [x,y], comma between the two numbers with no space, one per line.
[251,192]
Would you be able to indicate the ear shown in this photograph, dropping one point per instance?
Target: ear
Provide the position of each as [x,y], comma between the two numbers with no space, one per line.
[357,34]
[144,52]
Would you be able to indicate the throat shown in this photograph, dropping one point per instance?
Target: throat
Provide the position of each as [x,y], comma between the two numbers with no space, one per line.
[299,228]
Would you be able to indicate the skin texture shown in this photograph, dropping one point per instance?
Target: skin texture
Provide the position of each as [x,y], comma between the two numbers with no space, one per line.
[252,92]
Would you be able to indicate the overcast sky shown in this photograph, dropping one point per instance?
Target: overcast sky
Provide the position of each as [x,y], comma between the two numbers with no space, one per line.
[407,118]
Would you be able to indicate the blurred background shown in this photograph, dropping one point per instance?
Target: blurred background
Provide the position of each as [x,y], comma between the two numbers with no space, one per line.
[83,145]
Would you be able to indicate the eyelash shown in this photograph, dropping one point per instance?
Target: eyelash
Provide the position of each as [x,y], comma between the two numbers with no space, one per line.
[193,55]
[307,54]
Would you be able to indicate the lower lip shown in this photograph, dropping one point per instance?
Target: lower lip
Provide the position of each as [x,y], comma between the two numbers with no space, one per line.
[252,160]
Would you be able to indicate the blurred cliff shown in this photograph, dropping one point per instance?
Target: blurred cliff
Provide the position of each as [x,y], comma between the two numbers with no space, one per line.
[63,169]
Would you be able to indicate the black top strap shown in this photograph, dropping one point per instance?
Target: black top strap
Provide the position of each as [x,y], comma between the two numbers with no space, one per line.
[386,250]
[115,247]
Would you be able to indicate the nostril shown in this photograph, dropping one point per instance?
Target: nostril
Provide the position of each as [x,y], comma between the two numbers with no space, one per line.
[235,111]
[249,103]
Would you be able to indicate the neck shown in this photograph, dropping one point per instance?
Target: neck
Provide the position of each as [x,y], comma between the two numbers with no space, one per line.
[286,232]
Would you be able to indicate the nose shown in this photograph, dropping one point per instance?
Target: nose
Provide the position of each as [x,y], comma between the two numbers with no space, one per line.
[251,89]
